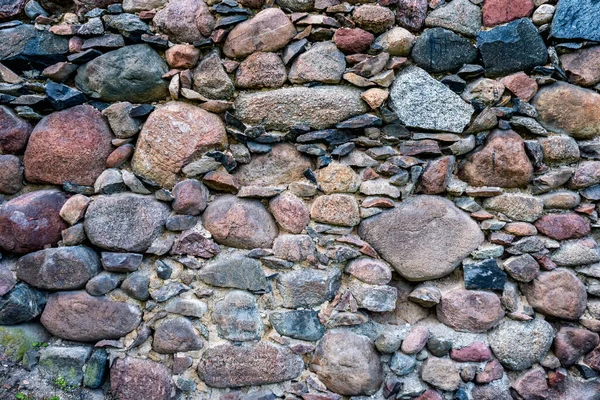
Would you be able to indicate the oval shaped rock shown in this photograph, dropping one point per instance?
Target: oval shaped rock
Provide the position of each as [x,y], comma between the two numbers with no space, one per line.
[176,335]
[63,268]
[240,223]
[14,131]
[228,366]
[125,222]
[470,310]
[271,25]
[347,364]
[117,76]
[173,136]
[185,20]
[31,221]
[404,235]
[563,226]
[83,318]
[68,146]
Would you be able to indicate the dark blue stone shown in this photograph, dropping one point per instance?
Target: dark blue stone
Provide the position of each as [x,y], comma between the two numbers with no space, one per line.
[577,19]
[298,324]
[484,275]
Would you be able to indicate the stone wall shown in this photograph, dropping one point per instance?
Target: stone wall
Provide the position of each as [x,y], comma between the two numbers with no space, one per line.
[299,199]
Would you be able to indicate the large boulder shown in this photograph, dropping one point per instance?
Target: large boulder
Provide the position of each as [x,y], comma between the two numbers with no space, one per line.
[134,378]
[31,221]
[185,20]
[569,109]
[63,268]
[174,135]
[83,318]
[403,237]
[281,166]
[240,223]
[271,25]
[501,162]
[347,364]
[420,101]
[228,365]
[68,146]
[125,222]
[318,107]
[117,76]
[14,131]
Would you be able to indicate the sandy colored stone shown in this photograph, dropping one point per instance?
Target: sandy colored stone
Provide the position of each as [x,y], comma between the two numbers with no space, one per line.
[174,135]
[338,178]
[336,209]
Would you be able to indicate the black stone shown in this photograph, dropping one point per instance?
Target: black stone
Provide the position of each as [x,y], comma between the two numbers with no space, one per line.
[226,159]
[178,223]
[470,71]
[455,83]
[441,50]
[229,21]
[23,303]
[258,148]
[109,41]
[233,122]
[25,43]
[293,49]
[95,370]
[298,324]
[84,56]
[311,149]
[121,262]
[510,48]
[163,271]
[484,275]
[136,286]
[62,96]
[343,149]
[141,111]
[577,19]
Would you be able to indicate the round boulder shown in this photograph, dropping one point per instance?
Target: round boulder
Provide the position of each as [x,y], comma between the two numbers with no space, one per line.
[240,223]
[125,222]
[558,294]
[347,364]
[404,235]
[68,146]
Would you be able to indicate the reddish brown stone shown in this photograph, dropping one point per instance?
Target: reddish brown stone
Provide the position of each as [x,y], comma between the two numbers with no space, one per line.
[11,8]
[469,310]
[14,132]
[557,294]
[410,14]
[415,340]
[501,162]
[497,12]
[271,25]
[493,371]
[133,378]
[582,66]
[532,384]
[31,222]
[353,40]
[191,197]
[290,212]
[476,352]
[11,174]
[194,243]
[119,156]
[429,394]
[521,85]
[182,56]
[563,226]
[68,146]
[379,202]
[520,229]
[572,343]
[240,223]
[435,176]
[185,20]
[221,180]
[261,70]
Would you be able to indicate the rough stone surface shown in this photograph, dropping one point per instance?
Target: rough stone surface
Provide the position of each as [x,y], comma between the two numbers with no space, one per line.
[501,162]
[176,335]
[417,223]
[497,12]
[469,310]
[557,294]
[31,221]
[321,63]
[125,222]
[422,102]
[261,70]
[235,271]
[136,378]
[185,20]
[348,364]
[14,131]
[175,135]
[440,50]
[575,20]
[520,344]
[240,223]
[281,166]
[563,226]
[227,365]
[80,317]
[115,76]
[11,174]
[319,107]
[68,146]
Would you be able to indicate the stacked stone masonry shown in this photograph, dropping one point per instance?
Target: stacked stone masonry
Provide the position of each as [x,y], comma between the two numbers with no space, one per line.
[299,199]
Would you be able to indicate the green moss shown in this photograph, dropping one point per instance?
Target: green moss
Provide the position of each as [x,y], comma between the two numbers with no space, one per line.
[15,342]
